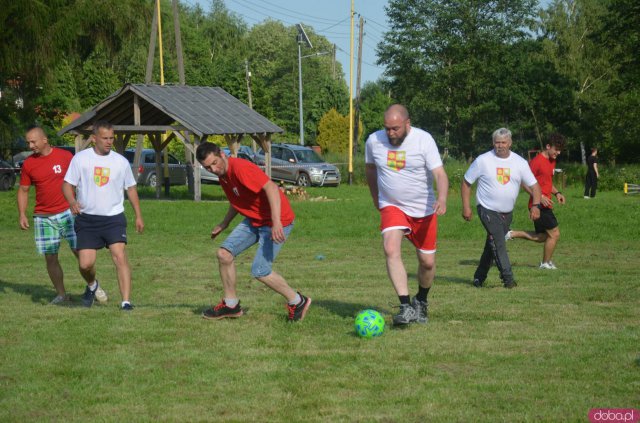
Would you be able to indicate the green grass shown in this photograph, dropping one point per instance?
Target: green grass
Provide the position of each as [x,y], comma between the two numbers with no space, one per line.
[560,344]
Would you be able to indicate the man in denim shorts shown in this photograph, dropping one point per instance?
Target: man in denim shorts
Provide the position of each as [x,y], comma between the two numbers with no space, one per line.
[268,222]
[53,221]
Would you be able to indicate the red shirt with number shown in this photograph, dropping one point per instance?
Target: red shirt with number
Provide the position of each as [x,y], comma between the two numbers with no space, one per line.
[543,169]
[243,185]
[47,174]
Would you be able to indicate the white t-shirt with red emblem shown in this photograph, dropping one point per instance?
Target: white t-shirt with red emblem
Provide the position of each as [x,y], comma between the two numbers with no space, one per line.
[404,172]
[100,181]
[499,180]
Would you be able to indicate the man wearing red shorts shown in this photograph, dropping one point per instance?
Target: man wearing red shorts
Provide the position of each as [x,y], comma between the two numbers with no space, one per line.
[402,163]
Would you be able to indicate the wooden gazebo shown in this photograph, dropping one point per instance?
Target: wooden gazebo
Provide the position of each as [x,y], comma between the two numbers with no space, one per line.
[188,114]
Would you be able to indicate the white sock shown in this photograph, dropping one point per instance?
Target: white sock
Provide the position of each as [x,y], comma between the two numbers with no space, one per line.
[231,302]
[93,286]
[296,300]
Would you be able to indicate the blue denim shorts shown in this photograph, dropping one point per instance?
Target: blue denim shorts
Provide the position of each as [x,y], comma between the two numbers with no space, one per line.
[244,236]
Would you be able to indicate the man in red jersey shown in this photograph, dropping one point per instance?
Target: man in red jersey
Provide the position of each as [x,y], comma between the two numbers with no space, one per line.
[546,228]
[53,221]
[268,222]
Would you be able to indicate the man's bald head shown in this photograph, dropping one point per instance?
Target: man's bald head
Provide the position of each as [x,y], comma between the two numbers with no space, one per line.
[397,123]
[37,140]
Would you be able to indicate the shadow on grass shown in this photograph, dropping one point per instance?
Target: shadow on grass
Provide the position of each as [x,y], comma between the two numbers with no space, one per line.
[38,293]
[344,309]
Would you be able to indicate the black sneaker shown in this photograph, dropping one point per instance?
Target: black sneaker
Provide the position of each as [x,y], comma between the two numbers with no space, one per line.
[510,285]
[89,296]
[127,307]
[221,311]
[298,311]
[478,283]
[422,310]
[407,315]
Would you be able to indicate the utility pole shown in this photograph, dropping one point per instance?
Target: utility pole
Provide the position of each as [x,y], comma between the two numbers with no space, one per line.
[176,26]
[333,64]
[356,123]
[350,149]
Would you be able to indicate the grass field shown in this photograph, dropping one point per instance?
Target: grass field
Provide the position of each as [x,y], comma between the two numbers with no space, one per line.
[561,343]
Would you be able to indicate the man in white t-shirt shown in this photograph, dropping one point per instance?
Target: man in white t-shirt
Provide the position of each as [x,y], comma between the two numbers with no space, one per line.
[402,162]
[499,173]
[94,187]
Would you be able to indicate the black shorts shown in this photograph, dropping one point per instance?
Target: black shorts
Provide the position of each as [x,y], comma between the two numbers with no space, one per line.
[546,221]
[95,232]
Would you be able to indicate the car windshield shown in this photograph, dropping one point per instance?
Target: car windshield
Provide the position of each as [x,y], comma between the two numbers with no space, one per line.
[308,156]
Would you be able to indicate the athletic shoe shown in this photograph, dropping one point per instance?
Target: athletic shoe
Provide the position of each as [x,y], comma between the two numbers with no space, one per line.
[127,307]
[548,265]
[221,311]
[89,296]
[586,197]
[407,315]
[60,300]
[101,296]
[508,236]
[478,283]
[422,310]
[298,311]
[510,285]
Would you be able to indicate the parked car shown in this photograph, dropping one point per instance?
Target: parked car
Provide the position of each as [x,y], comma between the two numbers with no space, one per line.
[7,176]
[147,169]
[243,153]
[300,165]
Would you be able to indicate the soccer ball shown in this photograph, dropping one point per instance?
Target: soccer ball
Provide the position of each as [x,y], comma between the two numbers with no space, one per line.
[369,324]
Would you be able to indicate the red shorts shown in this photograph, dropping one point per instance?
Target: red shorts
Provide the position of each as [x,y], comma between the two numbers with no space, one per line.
[421,231]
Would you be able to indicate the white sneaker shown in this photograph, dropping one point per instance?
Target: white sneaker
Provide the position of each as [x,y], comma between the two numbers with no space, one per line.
[547,266]
[60,300]
[508,236]
[586,197]
[101,296]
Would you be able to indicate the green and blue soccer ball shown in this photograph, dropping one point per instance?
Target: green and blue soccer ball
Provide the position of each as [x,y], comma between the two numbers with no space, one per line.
[369,324]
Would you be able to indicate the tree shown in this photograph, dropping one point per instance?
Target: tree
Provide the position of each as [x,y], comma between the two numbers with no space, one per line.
[373,103]
[333,132]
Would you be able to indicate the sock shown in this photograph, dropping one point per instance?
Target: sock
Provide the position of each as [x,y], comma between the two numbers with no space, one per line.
[124,302]
[296,300]
[404,299]
[231,302]
[422,294]
[93,286]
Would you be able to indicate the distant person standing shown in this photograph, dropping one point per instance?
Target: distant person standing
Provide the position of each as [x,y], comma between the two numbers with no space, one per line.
[591,183]
[94,188]
[546,227]
[52,219]
[402,163]
[499,173]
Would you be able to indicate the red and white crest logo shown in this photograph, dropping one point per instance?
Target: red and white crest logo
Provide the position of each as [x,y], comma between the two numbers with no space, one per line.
[396,160]
[101,175]
[503,175]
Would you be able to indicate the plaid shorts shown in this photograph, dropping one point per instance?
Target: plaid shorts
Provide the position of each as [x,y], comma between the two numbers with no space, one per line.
[50,230]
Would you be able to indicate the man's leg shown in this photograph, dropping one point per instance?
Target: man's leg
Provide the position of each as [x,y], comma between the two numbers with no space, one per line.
[497,225]
[552,237]
[87,264]
[426,269]
[119,257]
[278,284]
[56,273]
[529,235]
[227,268]
[392,244]
[485,263]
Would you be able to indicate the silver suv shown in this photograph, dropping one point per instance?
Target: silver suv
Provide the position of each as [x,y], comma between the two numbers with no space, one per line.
[300,165]
[147,168]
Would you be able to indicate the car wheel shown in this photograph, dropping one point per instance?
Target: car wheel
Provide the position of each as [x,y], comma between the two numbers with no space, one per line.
[152,181]
[303,180]
[5,183]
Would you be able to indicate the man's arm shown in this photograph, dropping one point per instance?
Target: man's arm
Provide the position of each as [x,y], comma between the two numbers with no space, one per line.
[231,214]
[273,195]
[23,202]
[371,173]
[534,213]
[442,185]
[132,193]
[68,191]
[465,193]
[595,167]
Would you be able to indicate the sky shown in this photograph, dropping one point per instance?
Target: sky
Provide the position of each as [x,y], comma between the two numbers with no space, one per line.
[329,18]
